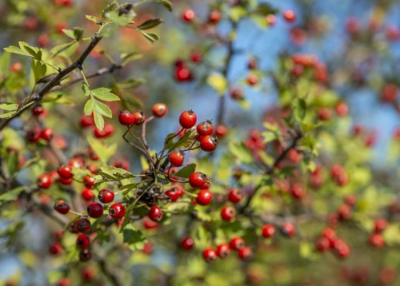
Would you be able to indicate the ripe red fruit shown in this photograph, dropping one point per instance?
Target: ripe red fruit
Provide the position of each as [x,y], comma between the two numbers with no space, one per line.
[85,255]
[344,212]
[47,134]
[228,213]
[16,67]
[188,15]
[245,253]
[33,135]
[341,108]
[205,128]
[380,225]
[298,191]
[188,119]
[252,80]
[236,93]
[55,248]
[324,114]
[289,16]
[126,118]
[197,180]
[187,243]
[106,196]
[221,131]
[235,195]
[204,197]
[341,248]
[183,74]
[176,158]
[271,19]
[86,121]
[95,210]
[268,230]
[37,110]
[117,211]
[223,250]
[87,194]
[214,17]
[159,109]
[83,241]
[288,229]
[83,225]
[107,131]
[65,171]
[123,164]
[65,181]
[43,40]
[209,255]
[44,181]
[148,223]
[208,143]
[175,192]
[350,200]
[376,240]
[237,243]
[196,56]
[89,182]
[139,118]
[322,244]
[155,213]
[77,162]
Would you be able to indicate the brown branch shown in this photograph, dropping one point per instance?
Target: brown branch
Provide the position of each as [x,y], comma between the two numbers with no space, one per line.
[36,97]
[109,274]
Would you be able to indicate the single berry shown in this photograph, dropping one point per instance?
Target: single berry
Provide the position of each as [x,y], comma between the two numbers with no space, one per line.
[33,135]
[126,118]
[322,244]
[188,119]
[221,131]
[61,206]
[205,128]
[298,191]
[65,181]
[214,17]
[89,182]
[209,255]
[106,196]
[38,110]
[187,243]
[83,225]
[223,250]
[188,15]
[117,211]
[65,171]
[345,212]
[204,197]
[380,225]
[237,243]
[245,253]
[176,158]
[197,180]
[87,194]
[55,248]
[47,134]
[140,118]
[376,240]
[83,241]
[235,195]
[288,229]
[271,19]
[44,181]
[268,230]
[86,121]
[85,255]
[252,80]
[155,213]
[159,109]
[289,16]
[228,213]
[77,162]
[95,210]
[175,192]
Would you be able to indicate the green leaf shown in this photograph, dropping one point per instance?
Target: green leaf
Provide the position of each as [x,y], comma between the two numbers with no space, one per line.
[121,20]
[9,106]
[98,120]
[237,12]
[132,235]
[55,51]
[69,33]
[102,108]
[167,4]
[7,114]
[104,152]
[16,50]
[12,194]
[39,70]
[12,163]
[89,106]
[110,7]
[186,171]
[151,37]
[113,173]
[76,33]
[300,109]
[85,88]
[94,19]
[240,151]
[149,24]
[132,83]
[5,60]
[185,140]
[218,82]
[104,94]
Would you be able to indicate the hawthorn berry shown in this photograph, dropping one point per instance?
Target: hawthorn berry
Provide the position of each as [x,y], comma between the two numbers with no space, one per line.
[175,192]
[140,118]
[228,213]
[330,234]
[176,158]
[148,223]
[77,162]
[196,56]
[83,241]
[344,212]
[155,213]
[235,195]
[298,191]
[289,16]
[188,119]
[236,93]
[271,19]
[55,248]
[341,108]
[159,109]
[126,118]
[288,229]
[44,181]
[252,80]
[380,225]
[322,244]
[87,194]
[89,182]
[62,207]
[214,17]
[117,210]
[47,134]
[107,131]
[65,171]
[38,110]
[83,225]
[106,196]
[86,121]
[197,180]
[204,197]
[183,74]
[65,181]
[342,249]
[95,210]
[209,255]
[245,253]
[237,243]
[221,131]
[205,128]
[376,240]
[223,250]
[33,135]
[208,143]
[123,164]
[268,230]
[187,243]
[85,255]
[188,15]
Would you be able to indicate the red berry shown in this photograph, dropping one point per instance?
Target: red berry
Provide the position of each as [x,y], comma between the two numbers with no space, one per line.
[83,225]
[345,212]
[235,195]
[155,213]
[175,192]
[65,181]
[236,93]
[188,119]
[209,255]
[380,225]
[187,243]
[252,64]
[252,80]
[55,248]
[324,114]
[77,162]
[106,196]
[214,17]
[87,194]
[83,241]
[341,248]
[245,253]
[44,181]
[117,211]
[65,171]
[288,229]
[350,200]
[237,243]
[322,244]
[33,135]
[341,108]
[47,134]
[126,118]
[271,19]
[107,131]
[289,16]
[205,128]
[268,230]
[123,164]
[86,121]
[183,74]
[223,250]
[61,206]
[85,255]
[298,191]
[95,210]
[159,109]
[204,197]
[228,213]
[208,143]
[196,56]
[140,118]
[197,180]
[89,182]
[43,40]
[148,223]
[176,158]
[37,110]
[188,15]
[221,131]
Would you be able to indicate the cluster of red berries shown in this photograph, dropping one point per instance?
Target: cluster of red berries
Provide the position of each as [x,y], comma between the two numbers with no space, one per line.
[301,62]
[376,239]
[330,240]
[287,229]
[88,121]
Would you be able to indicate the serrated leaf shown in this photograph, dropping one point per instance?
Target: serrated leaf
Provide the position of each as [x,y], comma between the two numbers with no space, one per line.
[55,51]
[7,114]
[98,120]
[149,24]
[121,20]
[186,171]
[39,70]
[69,33]
[181,141]
[104,94]
[102,108]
